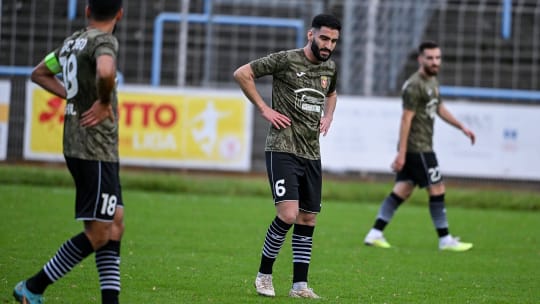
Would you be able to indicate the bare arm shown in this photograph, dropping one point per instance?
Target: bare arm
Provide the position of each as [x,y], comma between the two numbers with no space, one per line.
[105,82]
[47,80]
[105,77]
[404,131]
[326,120]
[246,80]
[450,119]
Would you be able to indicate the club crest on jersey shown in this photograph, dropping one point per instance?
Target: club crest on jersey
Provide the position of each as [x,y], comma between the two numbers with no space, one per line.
[430,92]
[324,82]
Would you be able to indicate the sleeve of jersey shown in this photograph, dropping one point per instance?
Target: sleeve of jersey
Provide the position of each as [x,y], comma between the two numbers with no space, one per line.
[268,65]
[333,82]
[105,45]
[410,97]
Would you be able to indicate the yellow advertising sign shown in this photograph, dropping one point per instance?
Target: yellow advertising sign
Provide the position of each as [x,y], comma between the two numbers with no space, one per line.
[4,112]
[159,127]
[46,123]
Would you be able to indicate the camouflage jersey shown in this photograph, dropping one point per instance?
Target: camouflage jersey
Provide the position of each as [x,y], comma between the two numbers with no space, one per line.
[299,90]
[421,95]
[77,58]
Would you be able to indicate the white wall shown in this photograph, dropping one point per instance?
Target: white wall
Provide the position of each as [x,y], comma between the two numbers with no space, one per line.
[364,135]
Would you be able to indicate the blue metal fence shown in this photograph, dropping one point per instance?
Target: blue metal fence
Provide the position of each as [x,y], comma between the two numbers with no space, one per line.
[297,24]
[489,93]
[27,71]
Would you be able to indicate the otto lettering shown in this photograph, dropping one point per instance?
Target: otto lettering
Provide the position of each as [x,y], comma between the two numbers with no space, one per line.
[163,115]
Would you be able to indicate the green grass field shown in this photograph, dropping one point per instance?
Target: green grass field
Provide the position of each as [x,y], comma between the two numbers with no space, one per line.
[184,246]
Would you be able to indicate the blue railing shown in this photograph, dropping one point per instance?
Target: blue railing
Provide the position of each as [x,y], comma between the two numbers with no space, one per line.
[487,93]
[27,71]
[506,24]
[15,71]
[72,9]
[215,19]
[449,91]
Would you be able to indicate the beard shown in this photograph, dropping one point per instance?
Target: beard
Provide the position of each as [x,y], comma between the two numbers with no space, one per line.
[430,71]
[317,51]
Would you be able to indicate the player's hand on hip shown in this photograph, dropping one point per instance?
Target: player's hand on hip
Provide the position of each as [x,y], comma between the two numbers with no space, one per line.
[278,120]
[97,113]
[326,121]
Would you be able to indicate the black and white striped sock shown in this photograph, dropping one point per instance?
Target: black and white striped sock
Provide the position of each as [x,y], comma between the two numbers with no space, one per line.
[108,266]
[302,242]
[71,253]
[275,236]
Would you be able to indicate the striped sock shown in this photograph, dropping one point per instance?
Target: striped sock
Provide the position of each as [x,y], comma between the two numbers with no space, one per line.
[71,253]
[108,266]
[275,237]
[302,242]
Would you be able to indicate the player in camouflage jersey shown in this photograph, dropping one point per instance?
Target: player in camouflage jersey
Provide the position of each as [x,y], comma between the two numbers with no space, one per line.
[303,102]
[87,61]
[416,163]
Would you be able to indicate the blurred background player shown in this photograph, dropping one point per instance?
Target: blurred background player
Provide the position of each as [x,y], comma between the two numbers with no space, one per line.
[416,162]
[304,84]
[87,60]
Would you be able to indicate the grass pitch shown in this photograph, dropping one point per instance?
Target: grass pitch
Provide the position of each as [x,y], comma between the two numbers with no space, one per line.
[195,248]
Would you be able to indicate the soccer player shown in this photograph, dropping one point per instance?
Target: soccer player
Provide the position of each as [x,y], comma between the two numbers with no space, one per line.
[303,102]
[87,61]
[416,162]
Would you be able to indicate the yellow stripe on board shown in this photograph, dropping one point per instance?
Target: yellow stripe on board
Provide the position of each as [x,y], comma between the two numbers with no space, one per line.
[4,112]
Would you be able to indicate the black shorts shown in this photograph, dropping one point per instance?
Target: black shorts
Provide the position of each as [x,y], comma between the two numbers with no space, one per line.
[421,168]
[98,191]
[294,178]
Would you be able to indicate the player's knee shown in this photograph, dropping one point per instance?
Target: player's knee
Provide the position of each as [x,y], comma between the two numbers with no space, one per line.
[117,230]
[98,239]
[436,189]
[403,190]
[305,218]
[118,226]
[98,233]
[289,216]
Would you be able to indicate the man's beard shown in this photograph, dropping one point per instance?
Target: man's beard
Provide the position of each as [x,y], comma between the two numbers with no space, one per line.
[430,72]
[317,51]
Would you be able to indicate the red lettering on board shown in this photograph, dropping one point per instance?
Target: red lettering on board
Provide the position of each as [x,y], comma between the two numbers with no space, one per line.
[163,115]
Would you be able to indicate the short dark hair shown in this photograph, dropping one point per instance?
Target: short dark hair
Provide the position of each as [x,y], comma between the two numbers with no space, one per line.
[428,44]
[326,20]
[102,10]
